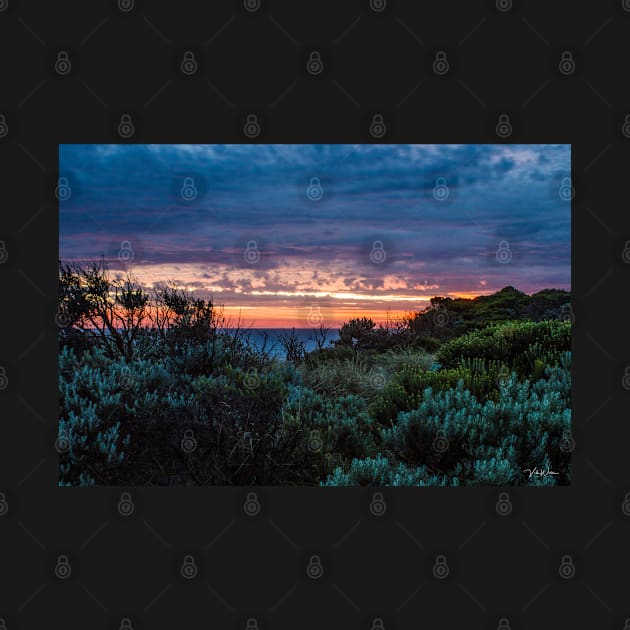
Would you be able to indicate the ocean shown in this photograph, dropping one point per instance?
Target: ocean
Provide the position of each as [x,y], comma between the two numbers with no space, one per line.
[306,335]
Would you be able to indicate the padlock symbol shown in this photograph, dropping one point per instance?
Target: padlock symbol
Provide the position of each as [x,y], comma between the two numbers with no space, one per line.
[378,505]
[125,504]
[251,5]
[504,505]
[125,253]
[63,570]
[625,255]
[378,624]
[189,568]
[504,5]
[252,126]
[189,63]
[441,190]
[252,624]
[4,254]
[63,192]
[251,253]
[625,506]
[189,190]
[126,5]
[378,128]
[566,314]
[315,191]
[567,568]
[189,442]
[504,624]
[125,378]
[4,5]
[440,316]
[377,254]
[315,65]
[378,5]
[567,63]
[62,444]
[440,442]
[125,624]
[440,63]
[4,379]
[626,625]
[3,623]
[567,443]
[625,381]
[126,128]
[566,190]
[504,126]
[315,441]
[314,569]
[440,568]
[4,128]
[625,128]
[315,317]
[504,253]
[252,505]
[62,63]
[4,506]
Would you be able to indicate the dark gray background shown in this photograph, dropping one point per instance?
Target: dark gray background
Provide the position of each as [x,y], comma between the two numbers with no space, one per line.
[374,63]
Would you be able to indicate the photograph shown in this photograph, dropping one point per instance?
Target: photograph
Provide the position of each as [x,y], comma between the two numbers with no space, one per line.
[314,315]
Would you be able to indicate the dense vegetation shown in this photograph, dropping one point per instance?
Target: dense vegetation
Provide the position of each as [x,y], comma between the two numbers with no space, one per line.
[159,389]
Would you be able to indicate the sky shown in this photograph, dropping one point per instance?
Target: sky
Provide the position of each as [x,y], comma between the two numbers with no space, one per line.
[293,235]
